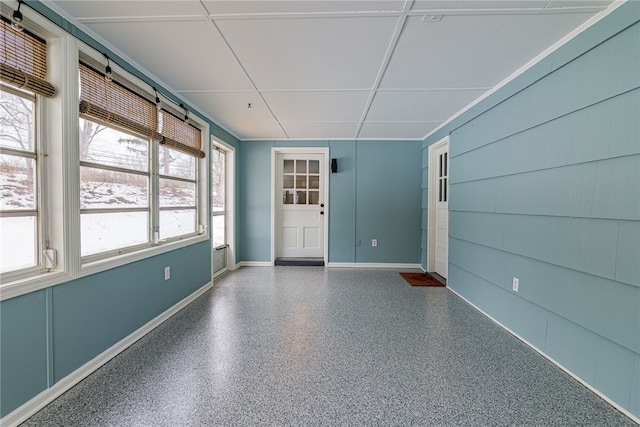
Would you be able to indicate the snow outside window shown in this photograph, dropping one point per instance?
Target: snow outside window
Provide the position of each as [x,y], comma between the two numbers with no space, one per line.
[114,189]
[178,187]
[19,171]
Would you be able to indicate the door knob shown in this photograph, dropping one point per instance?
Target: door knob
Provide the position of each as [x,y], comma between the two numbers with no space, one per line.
[321,212]
[322,205]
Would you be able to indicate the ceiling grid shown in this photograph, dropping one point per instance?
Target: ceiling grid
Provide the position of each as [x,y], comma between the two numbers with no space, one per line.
[323,69]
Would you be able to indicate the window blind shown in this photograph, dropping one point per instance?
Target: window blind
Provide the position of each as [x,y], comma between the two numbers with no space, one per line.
[114,105]
[180,136]
[23,61]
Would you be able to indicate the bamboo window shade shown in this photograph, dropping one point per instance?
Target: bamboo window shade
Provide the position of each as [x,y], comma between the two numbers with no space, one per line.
[23,61]
[181,136]
[110,103]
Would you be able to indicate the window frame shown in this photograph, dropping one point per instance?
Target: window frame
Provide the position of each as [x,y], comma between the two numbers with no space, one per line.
[39,193]
[149,209]
[197,181]
[229,211]
[223,212]
[53,180]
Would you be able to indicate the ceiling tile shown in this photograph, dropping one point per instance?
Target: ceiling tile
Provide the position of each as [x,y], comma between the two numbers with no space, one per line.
[321,130]
[231,107]
[419,106]
[186,55]
[256,129]
[434,5]
[472,51]
[322,6]
[396,130]
[317,106]
[120,8]
[335,53]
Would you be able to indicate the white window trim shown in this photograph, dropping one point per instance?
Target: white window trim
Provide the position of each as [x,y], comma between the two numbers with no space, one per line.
[52,125]
[219,148]
[230,201]
[39,155]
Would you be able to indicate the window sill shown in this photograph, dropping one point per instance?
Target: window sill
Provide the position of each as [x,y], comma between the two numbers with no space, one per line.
[40,281]
[97,266]
[34,283]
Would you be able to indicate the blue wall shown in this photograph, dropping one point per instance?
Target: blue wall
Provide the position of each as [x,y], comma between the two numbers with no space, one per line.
[375,195]
[48,334]
[545,186]
[387,202]
[23,349]
[93,313]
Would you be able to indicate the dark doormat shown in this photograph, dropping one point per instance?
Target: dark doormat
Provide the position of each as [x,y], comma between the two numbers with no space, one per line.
[421,279]
[300,262]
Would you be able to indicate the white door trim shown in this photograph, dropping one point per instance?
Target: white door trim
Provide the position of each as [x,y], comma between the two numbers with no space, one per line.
[431,203]
[274,170]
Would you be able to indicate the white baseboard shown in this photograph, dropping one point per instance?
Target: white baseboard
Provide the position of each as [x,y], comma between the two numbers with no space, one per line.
[27,409]
[550,359]
[397,266]
[255,264]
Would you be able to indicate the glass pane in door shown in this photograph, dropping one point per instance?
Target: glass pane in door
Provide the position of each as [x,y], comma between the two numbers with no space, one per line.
[314,181]
[287,181]
[314,197]
[288,166]
[314,166]
[301,166]
[287,197]
[301,198]
[301,182]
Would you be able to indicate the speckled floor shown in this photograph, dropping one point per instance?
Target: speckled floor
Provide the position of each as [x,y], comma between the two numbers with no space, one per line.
[313,346]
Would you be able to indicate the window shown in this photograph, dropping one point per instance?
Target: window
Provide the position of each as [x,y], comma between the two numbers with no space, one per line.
[222,207]
[114,189]
[23,65]
[178,173]
[218,199]
[19,171]
[443,175]
[301,182]
[139,170]
[178,193]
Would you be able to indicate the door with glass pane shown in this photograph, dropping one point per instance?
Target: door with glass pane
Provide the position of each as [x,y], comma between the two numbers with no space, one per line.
[300,205]
[442,211]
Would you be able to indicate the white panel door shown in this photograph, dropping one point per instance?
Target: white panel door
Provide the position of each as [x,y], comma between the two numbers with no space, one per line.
[442,211]
[301,205]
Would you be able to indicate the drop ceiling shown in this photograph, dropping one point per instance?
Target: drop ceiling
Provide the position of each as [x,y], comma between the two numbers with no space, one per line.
[329,69]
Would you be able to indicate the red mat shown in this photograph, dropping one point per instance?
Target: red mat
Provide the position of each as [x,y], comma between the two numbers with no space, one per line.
[421,279]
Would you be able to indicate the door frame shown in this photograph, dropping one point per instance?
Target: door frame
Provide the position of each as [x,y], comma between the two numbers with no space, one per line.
[431,202]
[275,151]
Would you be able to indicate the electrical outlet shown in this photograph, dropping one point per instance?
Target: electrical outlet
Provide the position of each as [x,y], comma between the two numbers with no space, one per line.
[167,273]
[516,284]
[374,243]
